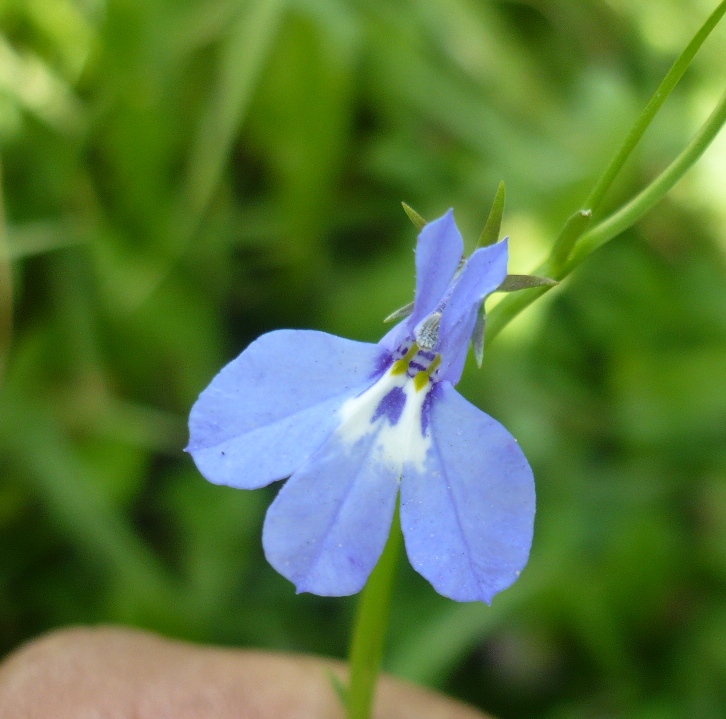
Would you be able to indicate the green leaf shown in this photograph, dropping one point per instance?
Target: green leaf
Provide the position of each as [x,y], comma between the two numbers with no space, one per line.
[649,112]
[35,238]
[241,60]
[632,211]
[73,500]
[570,248]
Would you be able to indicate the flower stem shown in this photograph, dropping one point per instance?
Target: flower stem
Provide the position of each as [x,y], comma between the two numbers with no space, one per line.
[632,211]
[578,240]
[371,623]
[649,112]
[579,222]
[612,226]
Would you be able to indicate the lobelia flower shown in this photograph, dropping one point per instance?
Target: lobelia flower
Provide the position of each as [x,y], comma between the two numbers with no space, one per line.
[351,423]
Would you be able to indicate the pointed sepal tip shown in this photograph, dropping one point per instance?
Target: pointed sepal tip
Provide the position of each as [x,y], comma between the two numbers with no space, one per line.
[514,283]
[490,233]
[418,222]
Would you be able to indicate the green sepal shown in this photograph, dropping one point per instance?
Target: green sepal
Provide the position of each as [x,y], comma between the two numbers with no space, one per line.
[400,313]
[418,222]
[490,233]
[477,336]
[513,283]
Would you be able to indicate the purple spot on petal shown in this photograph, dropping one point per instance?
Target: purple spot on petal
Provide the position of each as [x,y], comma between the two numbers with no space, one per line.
[391,406]
[385,360]
[426,408]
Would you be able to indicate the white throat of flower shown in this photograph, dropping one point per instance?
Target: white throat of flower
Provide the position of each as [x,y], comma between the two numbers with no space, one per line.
[402,441]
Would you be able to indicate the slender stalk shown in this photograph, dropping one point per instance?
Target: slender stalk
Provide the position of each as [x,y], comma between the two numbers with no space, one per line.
[369,630]
[578,223]
[509,308]
[649,112]
[619,221]
[632,211]
[575,241]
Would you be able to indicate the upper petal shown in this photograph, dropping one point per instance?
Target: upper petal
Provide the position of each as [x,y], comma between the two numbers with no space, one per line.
[438,254]
[468,516]
[454,347]
[327,527]
[484,271]
[269,409]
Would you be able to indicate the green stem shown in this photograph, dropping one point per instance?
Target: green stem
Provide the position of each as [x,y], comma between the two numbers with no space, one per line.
[579,222]
[369,630]
[632,211]
[619,221]
[646,116]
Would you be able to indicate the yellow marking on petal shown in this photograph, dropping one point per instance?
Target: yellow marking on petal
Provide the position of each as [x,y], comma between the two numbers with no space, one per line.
[401,366]
[434,365]
[420,380]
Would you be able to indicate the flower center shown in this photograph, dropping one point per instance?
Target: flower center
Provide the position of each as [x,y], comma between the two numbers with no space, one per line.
[427,334]
[393,409]
[420,364]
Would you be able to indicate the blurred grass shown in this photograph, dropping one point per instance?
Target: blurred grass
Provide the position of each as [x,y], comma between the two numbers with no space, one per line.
[6,290]
[179,177]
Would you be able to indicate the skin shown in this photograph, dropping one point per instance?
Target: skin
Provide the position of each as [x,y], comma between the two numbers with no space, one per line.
[119,673]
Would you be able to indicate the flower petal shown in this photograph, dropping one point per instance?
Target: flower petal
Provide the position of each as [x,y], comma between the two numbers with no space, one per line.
[268,410]
[327,527]
[455,345]
[468,516]
[484,271]
[438,254]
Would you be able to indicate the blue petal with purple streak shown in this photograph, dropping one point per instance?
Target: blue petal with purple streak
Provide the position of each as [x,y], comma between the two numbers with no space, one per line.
[351,424]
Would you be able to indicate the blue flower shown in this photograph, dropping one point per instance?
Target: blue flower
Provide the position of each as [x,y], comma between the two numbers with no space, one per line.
[351,423]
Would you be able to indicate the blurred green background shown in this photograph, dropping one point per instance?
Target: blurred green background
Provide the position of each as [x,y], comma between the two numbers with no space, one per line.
[180,176]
